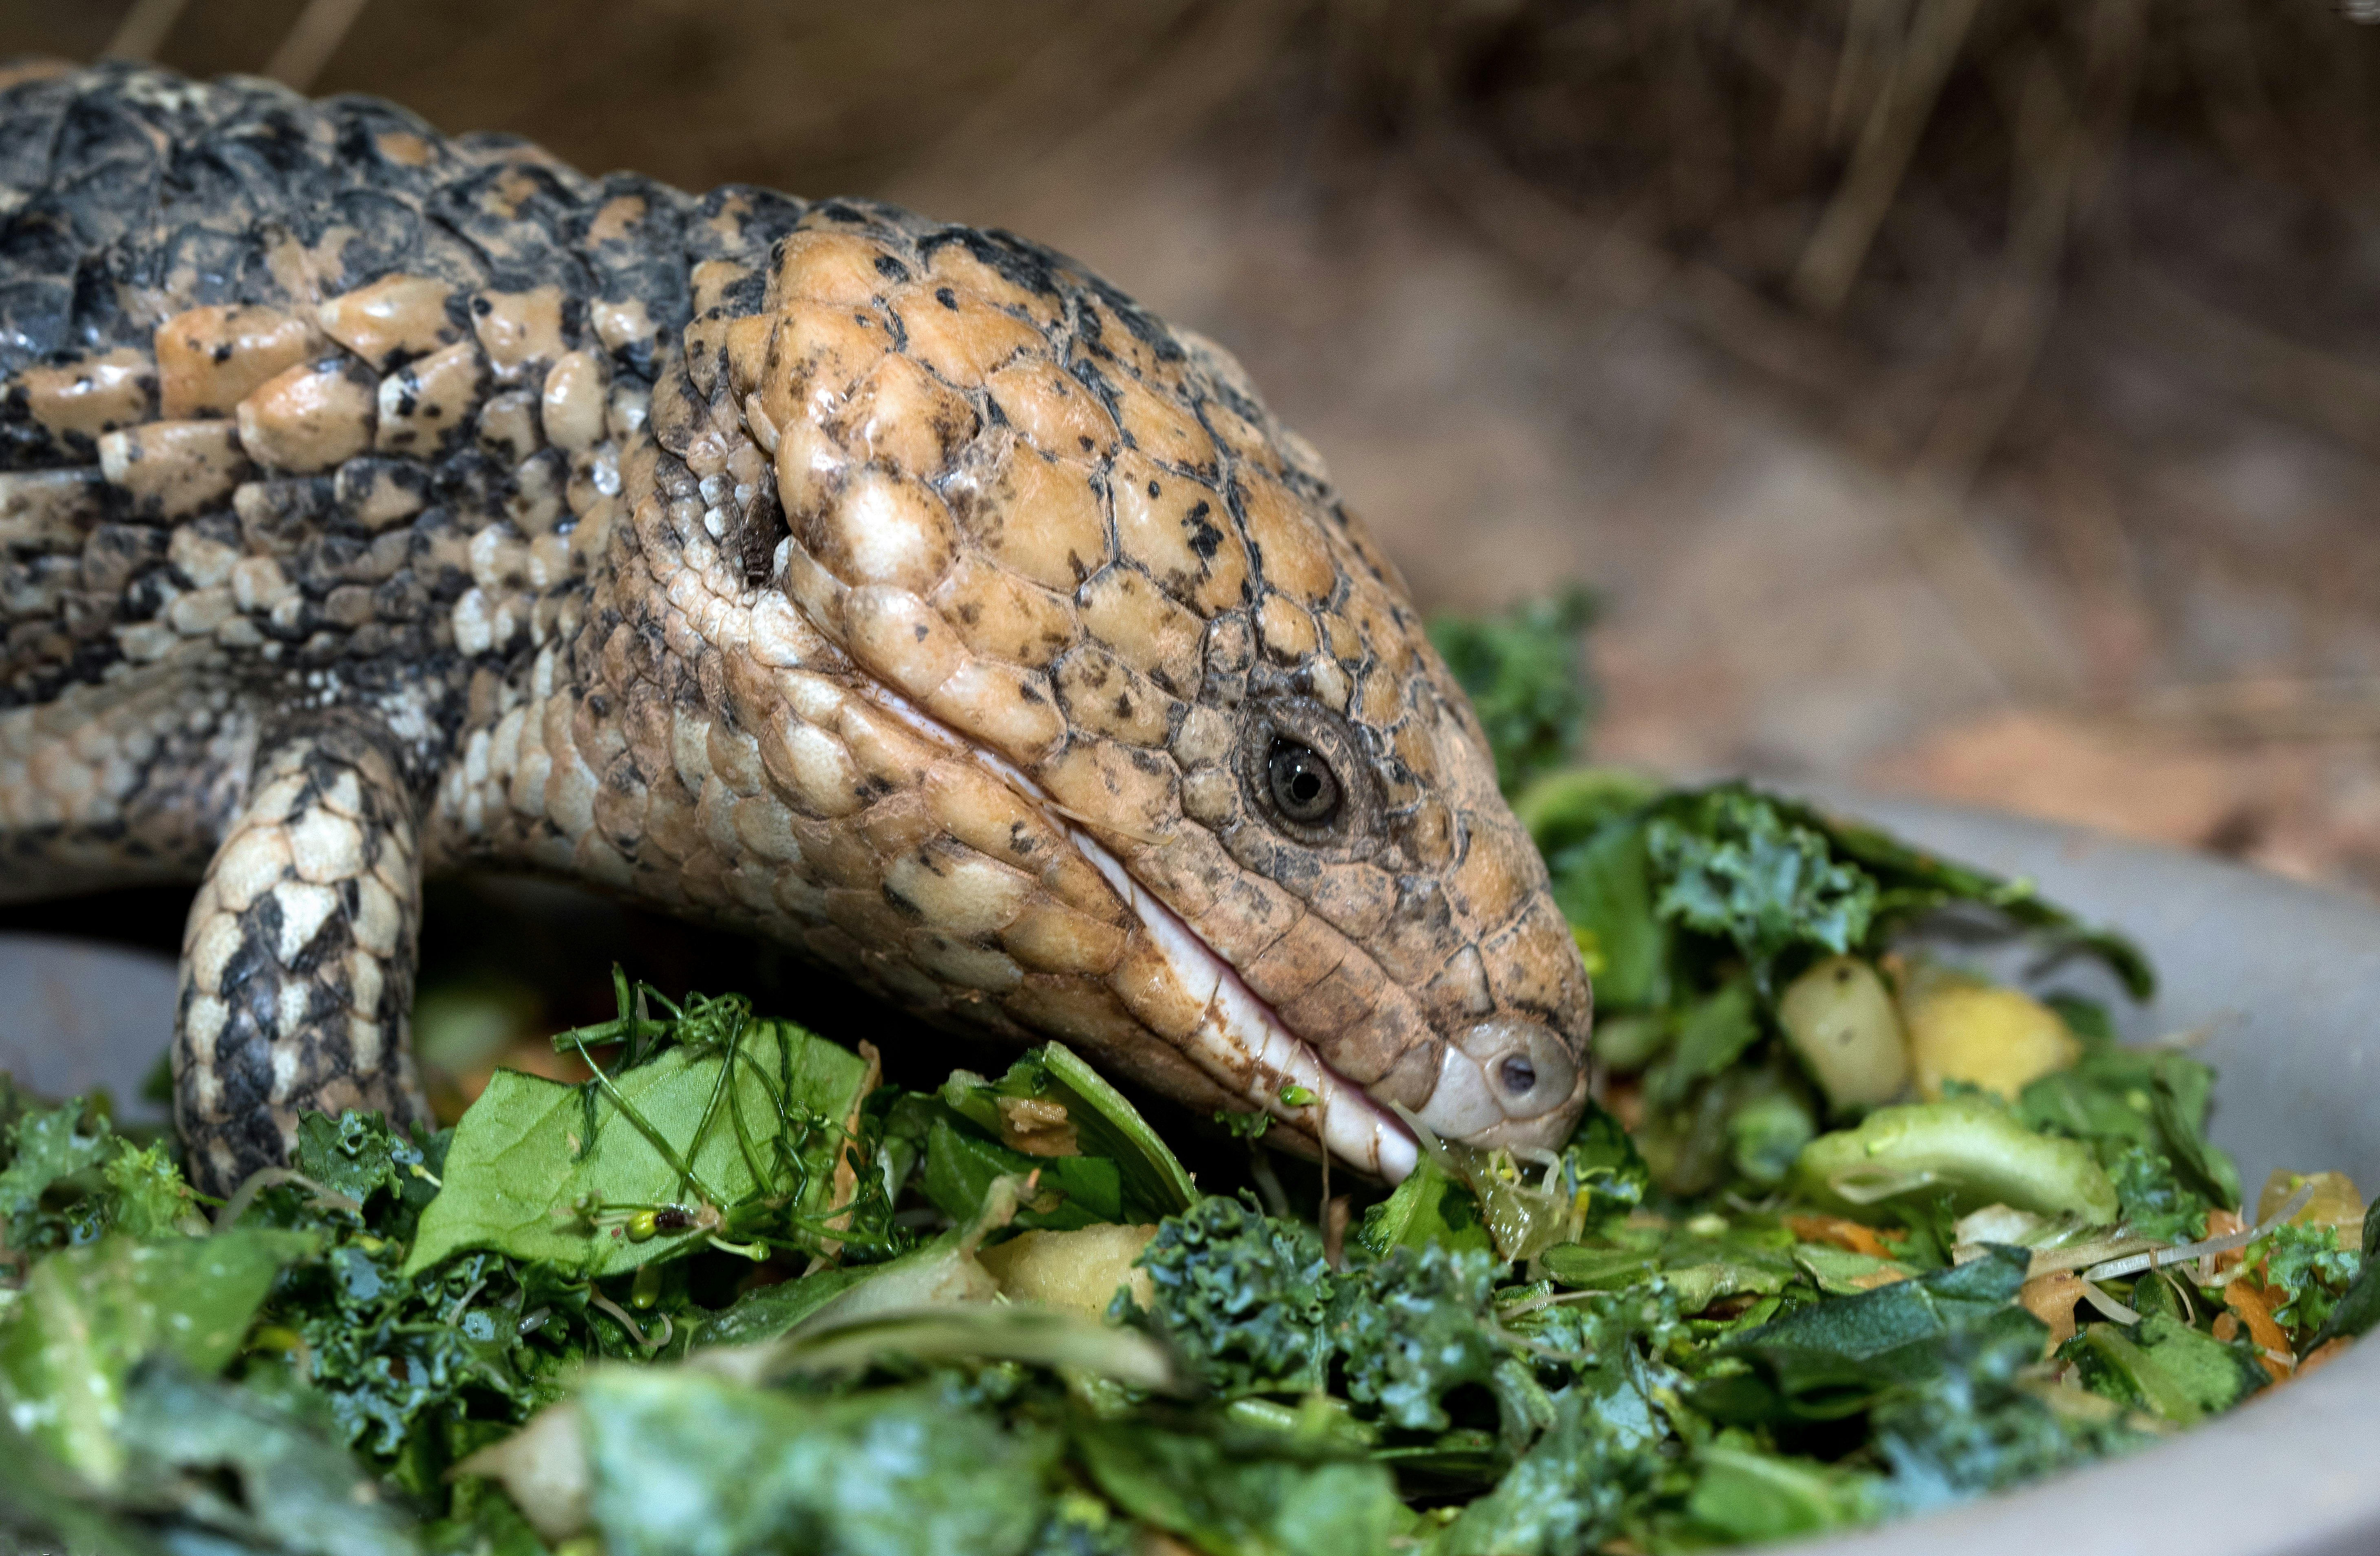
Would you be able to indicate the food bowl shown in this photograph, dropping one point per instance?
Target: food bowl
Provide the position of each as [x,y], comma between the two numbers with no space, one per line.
[2276,984]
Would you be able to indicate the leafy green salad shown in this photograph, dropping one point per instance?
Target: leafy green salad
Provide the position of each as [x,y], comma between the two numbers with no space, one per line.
[1855,1232]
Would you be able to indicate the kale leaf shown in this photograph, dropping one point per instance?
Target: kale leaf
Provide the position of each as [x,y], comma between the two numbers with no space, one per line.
[1236,1492]
[686,1462]
[359,1155]
[1251,1306]
[1731,865]
[2359,1310]
[414,1369]
[1245,1297]
[1603,1449]
[1416,1325]
[1968,1426]
[2305,1264]
[70,1179]
[1561,1499]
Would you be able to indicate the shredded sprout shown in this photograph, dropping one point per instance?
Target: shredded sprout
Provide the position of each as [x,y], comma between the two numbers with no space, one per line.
[2183,1253]
[2107,1305]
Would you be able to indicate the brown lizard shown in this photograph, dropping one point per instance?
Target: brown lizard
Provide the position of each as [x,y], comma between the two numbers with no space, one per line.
[377,502]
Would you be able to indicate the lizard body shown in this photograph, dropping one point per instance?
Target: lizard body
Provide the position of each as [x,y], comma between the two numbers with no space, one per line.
[375,503]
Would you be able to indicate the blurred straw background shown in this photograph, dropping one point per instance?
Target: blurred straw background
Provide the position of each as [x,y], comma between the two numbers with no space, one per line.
[1977,397]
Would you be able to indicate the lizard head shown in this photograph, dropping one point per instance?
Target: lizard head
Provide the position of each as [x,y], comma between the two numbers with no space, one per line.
[1184,782]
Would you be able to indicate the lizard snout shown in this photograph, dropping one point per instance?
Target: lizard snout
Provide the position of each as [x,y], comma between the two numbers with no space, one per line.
[1505,1082]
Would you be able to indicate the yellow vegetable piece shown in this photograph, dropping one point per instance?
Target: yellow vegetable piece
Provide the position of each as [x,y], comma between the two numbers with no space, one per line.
[1841,1019]
[2336,1203]
[1996,1039]
[1080,1270]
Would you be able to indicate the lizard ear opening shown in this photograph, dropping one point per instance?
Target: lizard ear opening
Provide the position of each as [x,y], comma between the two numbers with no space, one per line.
[762,528]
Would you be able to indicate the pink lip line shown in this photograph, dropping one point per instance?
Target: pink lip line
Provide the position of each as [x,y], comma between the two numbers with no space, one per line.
[1246,1046]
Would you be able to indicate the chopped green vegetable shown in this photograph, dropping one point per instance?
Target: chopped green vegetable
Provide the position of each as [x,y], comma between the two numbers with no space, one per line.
[1236,1495]
[1602,874]
[1713,1034]
[1525,675]
[1416,1325]
[70,1178]
[1700,1267]
[1571,1491]
[1979,1423]
[2144,1115]
[1149,1180]
[2167,1369]
[1841,1355]
[87,1316]
[1734,866]
[679,1463]
[258,1467]
[2305,1264]
[1243,1296]
[1111,1126]
[1746,1494]
[1430,1206]
[732,1294]
[1966,1148]
[962,1164]
[732,1127]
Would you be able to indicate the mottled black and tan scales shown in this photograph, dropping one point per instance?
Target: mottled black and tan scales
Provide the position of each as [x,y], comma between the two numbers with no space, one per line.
[373,501]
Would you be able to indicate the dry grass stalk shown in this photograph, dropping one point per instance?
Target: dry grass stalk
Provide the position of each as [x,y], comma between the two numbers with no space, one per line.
[1917,66]
[311,40]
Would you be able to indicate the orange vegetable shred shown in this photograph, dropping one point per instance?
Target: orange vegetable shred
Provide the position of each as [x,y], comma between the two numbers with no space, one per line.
[1838,1233]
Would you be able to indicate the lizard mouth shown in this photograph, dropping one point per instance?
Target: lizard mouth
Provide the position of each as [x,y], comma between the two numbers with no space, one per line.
[1249,1050]
[1240,1042]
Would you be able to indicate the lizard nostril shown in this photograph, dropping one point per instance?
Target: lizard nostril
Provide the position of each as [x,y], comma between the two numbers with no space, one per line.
[1518,1073]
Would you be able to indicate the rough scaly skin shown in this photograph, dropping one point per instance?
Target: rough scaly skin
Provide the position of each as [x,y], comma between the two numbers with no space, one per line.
[376,502]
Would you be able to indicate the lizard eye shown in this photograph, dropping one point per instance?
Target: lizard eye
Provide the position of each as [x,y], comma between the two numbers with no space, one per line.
[1303,789]
[1304,777]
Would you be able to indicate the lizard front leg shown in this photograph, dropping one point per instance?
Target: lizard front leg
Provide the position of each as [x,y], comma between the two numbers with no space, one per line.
[298,962]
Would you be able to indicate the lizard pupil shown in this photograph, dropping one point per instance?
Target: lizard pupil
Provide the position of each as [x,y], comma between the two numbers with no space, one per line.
[1304,788]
